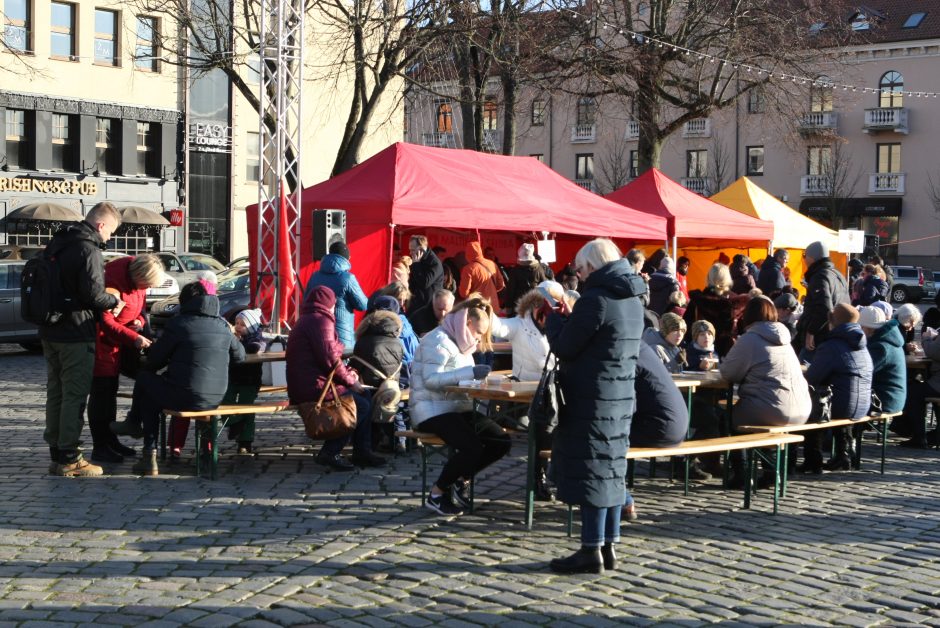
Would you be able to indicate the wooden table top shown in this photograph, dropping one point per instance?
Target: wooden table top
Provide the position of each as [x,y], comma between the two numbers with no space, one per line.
[521,392]
[270,356]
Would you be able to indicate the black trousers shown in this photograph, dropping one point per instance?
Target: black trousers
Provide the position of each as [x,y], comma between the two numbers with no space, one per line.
[478,442]
[152,394]
[102,409]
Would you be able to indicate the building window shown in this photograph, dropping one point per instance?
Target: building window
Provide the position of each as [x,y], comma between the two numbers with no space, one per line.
[891,86]
[253,156]
[147,51]
[16,139]
[445,118]
[755,161]
[696,164]
[17,25]
[889,158]
[490,115]
[104,145]
[62,35]
[756,100]
[146,149]
[587,111]
[538,113]
[914,20]
[584,166]
[539,156]
[818,159]
[106,37]
[62,151]
[634,164]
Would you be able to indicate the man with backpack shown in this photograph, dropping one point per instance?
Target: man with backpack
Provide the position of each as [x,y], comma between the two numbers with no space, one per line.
[68,336]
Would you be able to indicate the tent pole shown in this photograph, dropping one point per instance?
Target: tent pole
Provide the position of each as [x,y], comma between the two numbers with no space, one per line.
[675,248]
[391,250]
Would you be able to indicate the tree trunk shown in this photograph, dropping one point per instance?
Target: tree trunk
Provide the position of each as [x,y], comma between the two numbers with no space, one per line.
[510,86]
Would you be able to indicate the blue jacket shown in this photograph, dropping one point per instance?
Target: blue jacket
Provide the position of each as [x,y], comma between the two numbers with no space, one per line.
[597,347]
[874,288]
[409,339]
[662,417]
[770,277]
[886,347]
[334,274]
[842,362]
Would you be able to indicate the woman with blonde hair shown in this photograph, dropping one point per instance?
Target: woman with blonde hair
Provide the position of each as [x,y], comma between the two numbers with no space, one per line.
[719,306]
[445,358]
[402,269]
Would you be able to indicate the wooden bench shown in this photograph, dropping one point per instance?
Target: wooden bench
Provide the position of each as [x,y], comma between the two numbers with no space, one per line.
[272,389]
[878,421]
[749,443]
[429,445]
[213,418]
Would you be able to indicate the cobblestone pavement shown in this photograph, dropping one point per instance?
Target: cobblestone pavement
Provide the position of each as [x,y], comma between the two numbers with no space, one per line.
[278,541]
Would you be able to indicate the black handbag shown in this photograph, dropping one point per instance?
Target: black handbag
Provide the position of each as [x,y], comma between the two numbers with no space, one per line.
[822,404]
[547,401]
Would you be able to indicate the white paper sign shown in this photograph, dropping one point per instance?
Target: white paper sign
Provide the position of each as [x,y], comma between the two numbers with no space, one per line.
[851,241]
[546,250]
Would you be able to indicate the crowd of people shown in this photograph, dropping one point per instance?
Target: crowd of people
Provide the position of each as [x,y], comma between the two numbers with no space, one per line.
[616,326]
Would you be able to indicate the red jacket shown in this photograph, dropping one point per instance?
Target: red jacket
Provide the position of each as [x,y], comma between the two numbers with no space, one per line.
[480,275]
[113,332]
[313,349]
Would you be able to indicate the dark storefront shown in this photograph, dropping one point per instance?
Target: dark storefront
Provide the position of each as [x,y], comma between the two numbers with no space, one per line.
[875,216]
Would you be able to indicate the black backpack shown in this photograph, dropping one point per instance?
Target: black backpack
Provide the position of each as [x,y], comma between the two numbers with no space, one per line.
[42,298]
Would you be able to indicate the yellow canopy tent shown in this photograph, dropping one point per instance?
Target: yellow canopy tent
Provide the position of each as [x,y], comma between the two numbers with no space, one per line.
[792,230]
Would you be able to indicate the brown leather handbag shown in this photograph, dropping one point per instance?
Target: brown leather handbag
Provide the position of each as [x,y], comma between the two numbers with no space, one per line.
[326,420]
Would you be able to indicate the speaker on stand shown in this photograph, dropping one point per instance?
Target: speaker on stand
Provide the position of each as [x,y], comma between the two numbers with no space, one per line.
[329,226]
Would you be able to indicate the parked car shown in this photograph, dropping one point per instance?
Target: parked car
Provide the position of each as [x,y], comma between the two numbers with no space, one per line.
[231,302]
[239,262]
[185,267]
[12,326]
[19,252]
[911,283]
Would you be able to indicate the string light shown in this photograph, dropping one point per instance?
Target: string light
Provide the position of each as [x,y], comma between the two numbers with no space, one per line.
[642,39]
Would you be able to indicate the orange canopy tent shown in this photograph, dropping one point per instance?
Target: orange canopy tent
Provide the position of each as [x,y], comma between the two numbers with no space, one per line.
[698,228]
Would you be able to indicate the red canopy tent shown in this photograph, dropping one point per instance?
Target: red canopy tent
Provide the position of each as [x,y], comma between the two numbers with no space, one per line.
[421,188]
[698,228]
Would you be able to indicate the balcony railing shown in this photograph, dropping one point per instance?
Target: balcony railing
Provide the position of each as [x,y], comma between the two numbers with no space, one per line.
[814,185]
[890,183]
[886,119]
[819,121]
[583,133]
[700,127]
[587,184]
[633,130]
[699,185]
[439,140]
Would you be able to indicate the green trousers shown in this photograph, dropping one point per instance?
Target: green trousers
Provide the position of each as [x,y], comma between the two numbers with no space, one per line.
[69,369]
[241,427]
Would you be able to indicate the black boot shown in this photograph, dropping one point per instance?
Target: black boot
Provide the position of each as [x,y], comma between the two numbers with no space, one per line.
[543,491]
[609,556]
[841,461]
[585,560]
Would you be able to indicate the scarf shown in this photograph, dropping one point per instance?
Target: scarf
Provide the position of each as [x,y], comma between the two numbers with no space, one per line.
[455,326]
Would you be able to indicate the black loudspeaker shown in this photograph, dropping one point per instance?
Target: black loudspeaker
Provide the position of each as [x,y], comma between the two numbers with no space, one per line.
[329,226]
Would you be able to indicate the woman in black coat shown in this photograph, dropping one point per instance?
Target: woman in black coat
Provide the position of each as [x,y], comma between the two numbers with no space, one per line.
[596,345]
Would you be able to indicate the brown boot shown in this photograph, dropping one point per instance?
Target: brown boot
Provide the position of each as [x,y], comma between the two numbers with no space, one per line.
[147,465]
[81,468]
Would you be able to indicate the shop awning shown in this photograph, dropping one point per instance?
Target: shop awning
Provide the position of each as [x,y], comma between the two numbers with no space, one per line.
[141,216]
[51,212]
[868,206]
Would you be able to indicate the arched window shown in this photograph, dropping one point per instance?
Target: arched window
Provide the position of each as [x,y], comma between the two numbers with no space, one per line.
[892,88]
[445,118]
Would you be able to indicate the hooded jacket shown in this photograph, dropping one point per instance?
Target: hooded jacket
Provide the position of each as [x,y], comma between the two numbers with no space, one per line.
[114,331]
[843,363]
[825,288]
[873,288]
[378,343]
[770,277]
[662,417]
[480,275]
[662,285]
[313,349]
[597,347]
[772,389]
[672,357]
[889,369]
[77,251]
[425,278]
[196,347]
[334,274]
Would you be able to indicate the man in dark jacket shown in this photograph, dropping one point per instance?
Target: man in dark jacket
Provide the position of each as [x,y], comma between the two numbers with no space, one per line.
[427,273]
[662,417]
[196,347]
[825,289]
[69,344]
[430,316]
[770,277]
[525,275]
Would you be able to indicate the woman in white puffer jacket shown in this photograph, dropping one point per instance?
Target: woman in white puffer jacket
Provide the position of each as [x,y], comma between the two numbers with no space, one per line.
[525,333]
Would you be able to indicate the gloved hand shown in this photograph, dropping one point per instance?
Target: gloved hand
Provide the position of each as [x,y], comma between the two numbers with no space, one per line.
[480,371]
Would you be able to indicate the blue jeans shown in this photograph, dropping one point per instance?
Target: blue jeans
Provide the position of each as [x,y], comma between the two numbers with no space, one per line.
[361,436]
[600,526]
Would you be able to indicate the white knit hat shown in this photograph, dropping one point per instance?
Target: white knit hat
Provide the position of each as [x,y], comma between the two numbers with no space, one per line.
[871,317]
[252,320]
[527,253]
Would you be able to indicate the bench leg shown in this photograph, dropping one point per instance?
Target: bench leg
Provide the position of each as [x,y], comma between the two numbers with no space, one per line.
[530,476]
[473,479]
[197,436]
[786,467]
[778,457]
[685,478]
[748,476]
[884,444]
[570,520]
[856,433]
[163,436]
[213,443]
[424,474]
[631,468]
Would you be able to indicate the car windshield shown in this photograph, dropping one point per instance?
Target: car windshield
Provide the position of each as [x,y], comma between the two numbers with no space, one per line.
[201,262]
[237,281]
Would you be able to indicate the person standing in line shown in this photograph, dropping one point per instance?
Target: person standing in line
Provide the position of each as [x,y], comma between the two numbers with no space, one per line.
[596,344]
[770,277]
[480,275]
[825,288]
[69,344]
[525,275]
[335,273]
[682,272]
[427,273]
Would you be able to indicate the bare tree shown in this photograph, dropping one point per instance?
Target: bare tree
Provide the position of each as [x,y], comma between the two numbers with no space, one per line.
[839,177]
[721,163]
[933,191]
[614,167]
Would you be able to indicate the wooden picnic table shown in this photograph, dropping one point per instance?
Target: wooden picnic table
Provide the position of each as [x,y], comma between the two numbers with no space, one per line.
[269,356]
[917,362]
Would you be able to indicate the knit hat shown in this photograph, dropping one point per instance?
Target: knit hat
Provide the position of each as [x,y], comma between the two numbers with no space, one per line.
[887,309]
[699,327]
[387,303]
[843,313]
[209,281]
[871,317]
[526,253]
[670,322]
[252,320]
[786,301]
[340,248]
[668,265]
[908,313]
[817,250]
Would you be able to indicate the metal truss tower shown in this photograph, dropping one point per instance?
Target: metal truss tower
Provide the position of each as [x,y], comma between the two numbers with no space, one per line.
[282,46]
